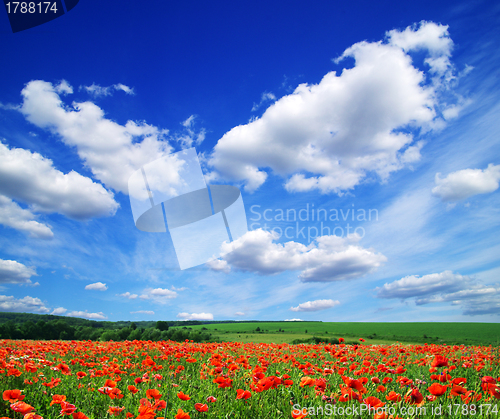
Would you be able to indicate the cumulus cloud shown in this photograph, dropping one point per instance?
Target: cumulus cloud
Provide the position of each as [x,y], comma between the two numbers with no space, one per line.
[59,311]
[26,304]
[12,215]
[143,312]
[96,90]
[30,178]
[316,305]
[97,286]
[446,287]
[329,136]
[12,272]
[195,316]
[110,150]
[328,258]
[128,295]
[86,315]
[158,295]
[294,320]
[466,183]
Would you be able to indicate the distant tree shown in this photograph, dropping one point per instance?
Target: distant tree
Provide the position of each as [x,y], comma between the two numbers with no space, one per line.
[257,330]
[161,325]
[135,334]
[133,326]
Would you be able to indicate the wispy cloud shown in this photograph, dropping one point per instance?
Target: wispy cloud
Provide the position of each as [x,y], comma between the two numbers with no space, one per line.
[97,91]
[86,315]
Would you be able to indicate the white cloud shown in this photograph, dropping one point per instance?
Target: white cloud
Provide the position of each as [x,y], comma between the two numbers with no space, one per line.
[190,137]
[128,295]
[158,295]
[86,315]
[219,265]
[316,305]
[143,312]
[12,215]
[110,150]
[466,183]
[63,88]
[96,90]
[446,287]
[96,286]
[26,304]
[239,313]
[195,316]
[59,311]
[431,38]
[266,97]
[329,258]
[416,286]
[30,178]
[294,320]
[328,136]
[12,272]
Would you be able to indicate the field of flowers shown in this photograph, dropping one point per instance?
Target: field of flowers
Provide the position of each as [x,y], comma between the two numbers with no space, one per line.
[151,380]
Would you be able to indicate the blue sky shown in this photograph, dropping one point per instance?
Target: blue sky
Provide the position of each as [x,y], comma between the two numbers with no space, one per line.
[378,122]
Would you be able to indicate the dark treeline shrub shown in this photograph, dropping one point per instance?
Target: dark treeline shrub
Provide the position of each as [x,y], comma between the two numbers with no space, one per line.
[47,327]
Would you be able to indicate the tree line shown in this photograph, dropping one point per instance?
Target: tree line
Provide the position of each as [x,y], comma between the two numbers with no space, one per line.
[46,327]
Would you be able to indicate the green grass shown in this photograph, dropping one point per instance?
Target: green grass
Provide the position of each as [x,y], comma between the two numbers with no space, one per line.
[373,333]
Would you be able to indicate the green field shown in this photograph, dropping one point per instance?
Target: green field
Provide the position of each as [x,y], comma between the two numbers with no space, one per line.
[373,333]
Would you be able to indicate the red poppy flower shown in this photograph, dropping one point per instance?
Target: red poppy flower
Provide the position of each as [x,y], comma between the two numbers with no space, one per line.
[57,399]
[13,396]
[115,410]
[67,408]
[393,397]
[243,394]
[22,408]
[133,389]
[437,389]
[200,407]
[439,361]
[183,396]
[110,383]
[182,415]
[79,415]
[373,403]
[415,397]
[155,394]
[211,399]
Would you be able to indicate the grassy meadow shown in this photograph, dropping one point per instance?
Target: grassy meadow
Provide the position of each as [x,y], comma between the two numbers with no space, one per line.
[373,333]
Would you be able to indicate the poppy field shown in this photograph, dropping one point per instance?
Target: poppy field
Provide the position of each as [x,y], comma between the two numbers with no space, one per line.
[166,379]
